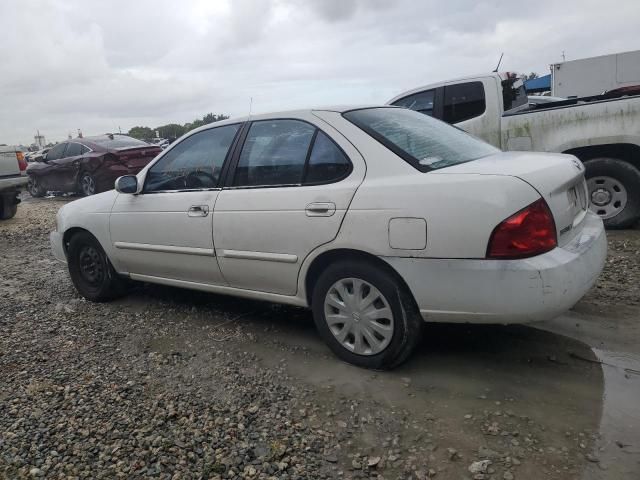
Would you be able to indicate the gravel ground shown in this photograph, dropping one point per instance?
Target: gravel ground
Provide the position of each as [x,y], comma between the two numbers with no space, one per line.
[175,384]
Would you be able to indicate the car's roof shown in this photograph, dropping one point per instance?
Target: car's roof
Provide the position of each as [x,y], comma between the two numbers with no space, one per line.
[302,112]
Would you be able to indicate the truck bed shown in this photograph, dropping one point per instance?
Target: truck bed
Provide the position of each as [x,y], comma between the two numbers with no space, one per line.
[571,102]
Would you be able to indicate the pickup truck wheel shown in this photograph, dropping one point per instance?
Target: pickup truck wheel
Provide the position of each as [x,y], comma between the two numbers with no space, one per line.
[614,191]
[8,207]
[91,271]
[35,190]
[365,316]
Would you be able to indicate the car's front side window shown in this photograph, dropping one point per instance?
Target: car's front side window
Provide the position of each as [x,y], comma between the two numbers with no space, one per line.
[73,150]
[195,163]
[57,152]
[420,102]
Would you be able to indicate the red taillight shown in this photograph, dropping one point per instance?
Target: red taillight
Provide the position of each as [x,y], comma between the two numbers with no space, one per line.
[529,232]
[22,163]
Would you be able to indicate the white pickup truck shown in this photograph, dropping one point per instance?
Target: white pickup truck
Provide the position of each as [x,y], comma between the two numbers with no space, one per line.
[12,178]
[602,131]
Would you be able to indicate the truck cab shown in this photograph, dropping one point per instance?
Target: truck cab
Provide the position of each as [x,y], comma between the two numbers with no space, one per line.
[473,103]
[602,131]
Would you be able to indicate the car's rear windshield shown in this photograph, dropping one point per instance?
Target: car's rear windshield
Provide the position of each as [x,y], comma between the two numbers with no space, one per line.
[426,143]
[118,142]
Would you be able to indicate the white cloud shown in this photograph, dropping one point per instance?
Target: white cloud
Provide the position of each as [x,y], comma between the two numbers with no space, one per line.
[99,65]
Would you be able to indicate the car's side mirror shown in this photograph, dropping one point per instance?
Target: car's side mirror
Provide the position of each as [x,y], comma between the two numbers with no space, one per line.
[127,184]
[43,158]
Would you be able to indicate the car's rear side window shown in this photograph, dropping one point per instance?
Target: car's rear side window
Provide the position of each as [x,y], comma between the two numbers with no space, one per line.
[287,152]
[326,162]
[274,153]
[424,142]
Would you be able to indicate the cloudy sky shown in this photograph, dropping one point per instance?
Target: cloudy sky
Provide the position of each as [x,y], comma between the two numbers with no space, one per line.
[99,65]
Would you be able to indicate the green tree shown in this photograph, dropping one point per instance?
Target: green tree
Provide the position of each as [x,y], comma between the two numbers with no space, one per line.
[171,131]
[142,133]
[531,76]
[205,120]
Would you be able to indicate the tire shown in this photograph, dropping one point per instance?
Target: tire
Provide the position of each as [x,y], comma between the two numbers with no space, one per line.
[8,207]
[406,324]
[87,184]
[614,191]
[91,271]
[35,190]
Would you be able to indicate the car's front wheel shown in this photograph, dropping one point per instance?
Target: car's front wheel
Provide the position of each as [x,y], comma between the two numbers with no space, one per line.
[365,315]
[91,271]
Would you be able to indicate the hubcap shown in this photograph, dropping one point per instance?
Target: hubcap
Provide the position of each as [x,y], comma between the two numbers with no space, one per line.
[88,185]
[608,196]
[91,265]
[358,316]
[33,187]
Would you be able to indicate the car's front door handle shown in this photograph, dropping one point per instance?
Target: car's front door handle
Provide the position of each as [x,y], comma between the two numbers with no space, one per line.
[198,211]
[320,209]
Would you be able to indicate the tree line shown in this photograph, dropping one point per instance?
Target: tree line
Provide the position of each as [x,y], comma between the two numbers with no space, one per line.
[172,131]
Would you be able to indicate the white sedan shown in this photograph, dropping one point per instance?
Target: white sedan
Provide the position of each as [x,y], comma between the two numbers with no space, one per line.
[377,218]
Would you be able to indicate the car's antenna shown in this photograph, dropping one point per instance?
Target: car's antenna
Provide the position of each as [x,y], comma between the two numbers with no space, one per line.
[250,105]
[499,62]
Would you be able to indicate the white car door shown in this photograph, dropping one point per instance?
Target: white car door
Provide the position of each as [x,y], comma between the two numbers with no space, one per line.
[288,190]
[166,230]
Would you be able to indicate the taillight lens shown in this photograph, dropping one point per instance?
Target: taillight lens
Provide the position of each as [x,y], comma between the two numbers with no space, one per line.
[529,232]
[22,163]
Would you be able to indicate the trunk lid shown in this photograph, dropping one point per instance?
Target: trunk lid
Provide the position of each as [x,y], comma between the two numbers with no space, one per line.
[558,178]
[137,158]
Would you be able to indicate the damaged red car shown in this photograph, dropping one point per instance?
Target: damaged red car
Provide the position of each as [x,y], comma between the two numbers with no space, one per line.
[88,165]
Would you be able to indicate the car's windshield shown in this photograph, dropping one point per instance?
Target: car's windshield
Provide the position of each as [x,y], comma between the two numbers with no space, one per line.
[426,143]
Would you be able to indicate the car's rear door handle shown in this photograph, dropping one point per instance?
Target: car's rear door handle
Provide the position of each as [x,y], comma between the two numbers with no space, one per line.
[198,211]
[320,209]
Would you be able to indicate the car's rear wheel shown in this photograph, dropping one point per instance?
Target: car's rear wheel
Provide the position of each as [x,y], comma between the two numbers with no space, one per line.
[87,184]
[365,315]
[91,271]
[34,187]
[614,191]
[8,207]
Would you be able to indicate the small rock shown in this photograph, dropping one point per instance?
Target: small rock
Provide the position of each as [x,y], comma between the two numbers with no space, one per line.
[373,462]
[508,476]
[479,467]
[453,454]
[592,458]
[332,458]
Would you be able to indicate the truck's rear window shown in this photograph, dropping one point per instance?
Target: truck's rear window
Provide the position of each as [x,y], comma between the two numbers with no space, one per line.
[426,143]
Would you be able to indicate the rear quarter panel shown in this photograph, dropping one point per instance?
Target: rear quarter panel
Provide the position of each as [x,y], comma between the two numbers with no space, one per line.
[461,210]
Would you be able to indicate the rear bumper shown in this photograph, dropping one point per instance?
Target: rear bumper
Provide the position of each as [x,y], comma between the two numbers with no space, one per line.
[507,291]
[8,185]
[55,238]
